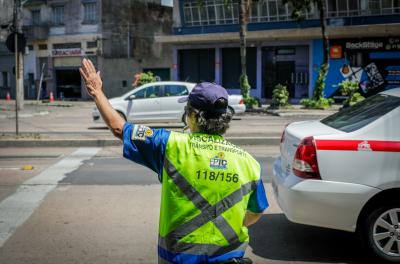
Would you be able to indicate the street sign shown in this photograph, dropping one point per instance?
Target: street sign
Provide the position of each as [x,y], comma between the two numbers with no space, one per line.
[10,42]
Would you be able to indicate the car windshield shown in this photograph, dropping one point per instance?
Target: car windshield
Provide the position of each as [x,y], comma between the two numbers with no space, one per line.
[363,113]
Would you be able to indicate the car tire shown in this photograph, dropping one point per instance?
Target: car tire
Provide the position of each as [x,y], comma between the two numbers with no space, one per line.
[231,110]
[381,235]
[184,119]
[122,115]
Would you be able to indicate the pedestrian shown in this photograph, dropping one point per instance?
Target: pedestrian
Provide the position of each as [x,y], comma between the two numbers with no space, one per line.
[211,189]
[136,80]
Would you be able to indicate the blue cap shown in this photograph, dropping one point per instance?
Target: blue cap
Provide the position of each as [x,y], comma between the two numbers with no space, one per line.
[204,95]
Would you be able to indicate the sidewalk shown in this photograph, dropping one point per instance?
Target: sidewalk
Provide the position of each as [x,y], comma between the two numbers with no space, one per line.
[298,111]
[69,124]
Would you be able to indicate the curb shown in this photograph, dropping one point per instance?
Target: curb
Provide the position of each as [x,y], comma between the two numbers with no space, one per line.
[300,113]
[28,143]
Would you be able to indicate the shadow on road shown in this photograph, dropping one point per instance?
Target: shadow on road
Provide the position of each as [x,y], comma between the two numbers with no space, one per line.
[98,128]
[275,238]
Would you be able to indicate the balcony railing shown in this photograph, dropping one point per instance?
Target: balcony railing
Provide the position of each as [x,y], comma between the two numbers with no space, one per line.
[215,12]
[36,32]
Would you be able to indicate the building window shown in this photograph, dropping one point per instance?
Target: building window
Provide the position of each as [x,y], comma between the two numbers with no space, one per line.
[91,44]
[89,13]
[285,51]
[67,46]
[5,81]
[374,6]
[42,46]
[35,17]
[58,15]
[218,12]
[390,6]
[210,13]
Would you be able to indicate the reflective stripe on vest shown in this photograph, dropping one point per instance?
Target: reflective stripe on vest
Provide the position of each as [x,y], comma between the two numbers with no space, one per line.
[208,213]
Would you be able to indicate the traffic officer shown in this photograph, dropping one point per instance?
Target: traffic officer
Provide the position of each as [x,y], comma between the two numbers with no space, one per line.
[211,189]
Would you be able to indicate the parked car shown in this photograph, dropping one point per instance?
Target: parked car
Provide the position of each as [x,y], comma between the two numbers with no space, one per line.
[158,102]
[343,172]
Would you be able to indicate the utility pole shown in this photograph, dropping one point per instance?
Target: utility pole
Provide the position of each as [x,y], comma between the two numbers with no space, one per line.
[128,42]
[19,65]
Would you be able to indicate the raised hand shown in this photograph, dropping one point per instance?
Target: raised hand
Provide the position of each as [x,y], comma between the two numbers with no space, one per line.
[92,79]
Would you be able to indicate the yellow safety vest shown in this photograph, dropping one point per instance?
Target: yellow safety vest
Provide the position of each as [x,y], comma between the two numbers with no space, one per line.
[206,185]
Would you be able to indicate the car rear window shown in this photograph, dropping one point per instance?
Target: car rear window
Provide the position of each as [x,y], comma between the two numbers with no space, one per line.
[363,113]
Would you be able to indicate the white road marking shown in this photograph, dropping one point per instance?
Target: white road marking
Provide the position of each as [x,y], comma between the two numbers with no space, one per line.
[17,208]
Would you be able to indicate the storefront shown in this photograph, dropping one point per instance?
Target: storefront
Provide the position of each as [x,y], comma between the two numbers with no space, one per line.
[288,66]
[373,62]
[267,65]
[66,71]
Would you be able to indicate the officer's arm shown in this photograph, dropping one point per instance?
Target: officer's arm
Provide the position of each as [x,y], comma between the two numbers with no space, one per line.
[94,86]
[251,218]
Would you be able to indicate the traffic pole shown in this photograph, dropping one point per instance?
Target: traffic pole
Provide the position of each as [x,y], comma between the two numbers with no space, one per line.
[16,64]
[20,62]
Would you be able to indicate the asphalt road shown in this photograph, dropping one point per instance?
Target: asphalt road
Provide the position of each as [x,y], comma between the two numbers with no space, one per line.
[92,206]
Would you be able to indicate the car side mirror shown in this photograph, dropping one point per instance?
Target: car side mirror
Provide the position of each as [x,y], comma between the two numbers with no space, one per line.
[131,97]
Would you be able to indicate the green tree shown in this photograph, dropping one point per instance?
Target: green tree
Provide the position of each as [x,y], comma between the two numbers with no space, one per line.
[350,88]
[244,11]
[146,78]
[300,9]
[280,96]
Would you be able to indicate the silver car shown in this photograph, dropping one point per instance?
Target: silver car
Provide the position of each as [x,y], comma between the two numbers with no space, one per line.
[158,102]
[343,172]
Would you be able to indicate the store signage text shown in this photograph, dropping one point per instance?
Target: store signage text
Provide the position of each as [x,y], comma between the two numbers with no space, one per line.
[364,45]
[66,52]
[384,44]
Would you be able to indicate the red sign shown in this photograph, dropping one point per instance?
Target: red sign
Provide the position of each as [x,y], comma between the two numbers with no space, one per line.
[66,52]
[336,52]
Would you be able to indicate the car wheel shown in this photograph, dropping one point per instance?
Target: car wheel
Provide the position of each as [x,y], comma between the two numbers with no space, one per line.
[122,115]
[184,119]
[381,233]
[231,110]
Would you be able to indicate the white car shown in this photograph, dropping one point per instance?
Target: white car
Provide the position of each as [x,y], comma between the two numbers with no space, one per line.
[343,172]
[158,102]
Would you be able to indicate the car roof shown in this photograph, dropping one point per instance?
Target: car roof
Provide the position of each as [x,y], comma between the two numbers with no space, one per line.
[392,92]
[169,82]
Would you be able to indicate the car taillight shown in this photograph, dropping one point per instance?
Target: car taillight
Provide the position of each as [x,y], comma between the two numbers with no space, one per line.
[241,101]
[305,163]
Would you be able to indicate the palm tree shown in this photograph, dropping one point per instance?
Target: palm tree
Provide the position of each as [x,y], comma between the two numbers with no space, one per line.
[300,8]
[244,11]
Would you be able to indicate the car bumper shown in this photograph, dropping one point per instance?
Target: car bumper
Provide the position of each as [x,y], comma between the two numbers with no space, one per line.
[321,203]
[239,109]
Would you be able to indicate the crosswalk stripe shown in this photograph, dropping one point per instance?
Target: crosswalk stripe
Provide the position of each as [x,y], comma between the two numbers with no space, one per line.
[18,207]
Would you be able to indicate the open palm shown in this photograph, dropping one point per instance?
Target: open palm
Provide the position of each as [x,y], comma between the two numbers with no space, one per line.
[91,77]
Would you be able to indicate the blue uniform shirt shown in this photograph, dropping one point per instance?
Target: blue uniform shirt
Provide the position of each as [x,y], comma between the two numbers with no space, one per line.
[149,150]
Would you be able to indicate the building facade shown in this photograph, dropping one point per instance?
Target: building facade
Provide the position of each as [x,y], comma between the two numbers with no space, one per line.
[7,59]
[364,45]
[118,36]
